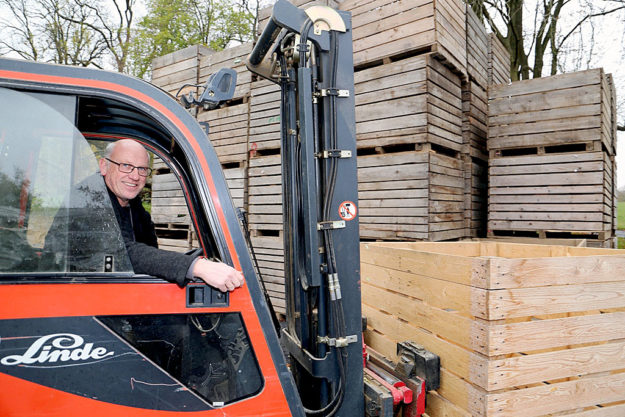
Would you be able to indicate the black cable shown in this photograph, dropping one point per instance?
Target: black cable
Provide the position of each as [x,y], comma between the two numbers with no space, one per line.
[336,306]
[186,85]
[303,47]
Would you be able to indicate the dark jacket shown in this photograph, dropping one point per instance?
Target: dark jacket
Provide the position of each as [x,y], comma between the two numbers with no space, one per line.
[142,246]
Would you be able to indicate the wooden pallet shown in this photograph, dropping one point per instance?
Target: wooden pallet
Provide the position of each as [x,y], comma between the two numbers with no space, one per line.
[411,196]
[498,61]
[521,330]
[228,131]
[387,28]
[555,192]
[172,71]
[558,110]
[414,100]
[477,49]
[233,58]
[264,130]
[176,237]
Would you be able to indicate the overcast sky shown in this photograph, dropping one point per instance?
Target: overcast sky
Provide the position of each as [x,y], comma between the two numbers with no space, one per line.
[609,53]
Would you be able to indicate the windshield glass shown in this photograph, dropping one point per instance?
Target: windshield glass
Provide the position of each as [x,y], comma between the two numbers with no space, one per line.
[55,212]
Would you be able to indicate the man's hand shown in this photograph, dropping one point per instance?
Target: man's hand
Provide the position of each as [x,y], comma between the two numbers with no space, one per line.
[218,275]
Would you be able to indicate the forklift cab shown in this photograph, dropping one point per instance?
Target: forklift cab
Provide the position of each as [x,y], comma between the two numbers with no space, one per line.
[80,332]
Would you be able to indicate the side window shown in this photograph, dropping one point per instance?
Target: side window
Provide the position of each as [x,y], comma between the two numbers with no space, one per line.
[164,198]
[208,353]
[55,213]
[172,221]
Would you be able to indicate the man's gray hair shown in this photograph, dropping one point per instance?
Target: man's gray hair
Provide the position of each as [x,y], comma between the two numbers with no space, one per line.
[108,151]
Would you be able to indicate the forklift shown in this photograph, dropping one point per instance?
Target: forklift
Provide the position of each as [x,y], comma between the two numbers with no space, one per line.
[82,334]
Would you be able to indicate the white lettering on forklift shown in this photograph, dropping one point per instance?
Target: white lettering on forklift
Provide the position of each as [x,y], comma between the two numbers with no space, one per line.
[59,347]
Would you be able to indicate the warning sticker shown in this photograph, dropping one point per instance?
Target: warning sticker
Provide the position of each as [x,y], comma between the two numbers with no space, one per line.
[347,211]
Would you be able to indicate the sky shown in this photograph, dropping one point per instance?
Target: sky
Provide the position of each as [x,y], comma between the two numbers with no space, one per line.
[608,53]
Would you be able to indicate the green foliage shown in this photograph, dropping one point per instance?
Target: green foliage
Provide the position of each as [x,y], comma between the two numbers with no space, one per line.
[620,224]
[171,25]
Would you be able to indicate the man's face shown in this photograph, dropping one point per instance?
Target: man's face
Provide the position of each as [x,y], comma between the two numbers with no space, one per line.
[125,186]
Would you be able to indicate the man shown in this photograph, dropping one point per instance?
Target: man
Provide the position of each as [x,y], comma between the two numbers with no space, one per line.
[125,169]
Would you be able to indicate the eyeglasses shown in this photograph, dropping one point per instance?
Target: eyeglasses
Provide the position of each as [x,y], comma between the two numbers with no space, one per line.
[128,168]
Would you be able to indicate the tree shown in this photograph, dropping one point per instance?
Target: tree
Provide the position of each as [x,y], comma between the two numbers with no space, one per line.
[545,40]
[171,25]
[51,30]
[113,31]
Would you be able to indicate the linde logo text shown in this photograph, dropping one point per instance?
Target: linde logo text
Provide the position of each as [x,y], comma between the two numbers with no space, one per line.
[59,347]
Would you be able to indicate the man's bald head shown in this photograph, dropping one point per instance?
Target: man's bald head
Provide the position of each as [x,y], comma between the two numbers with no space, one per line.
[125,186]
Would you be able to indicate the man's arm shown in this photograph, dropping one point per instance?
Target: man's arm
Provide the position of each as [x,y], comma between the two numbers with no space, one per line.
[175,267]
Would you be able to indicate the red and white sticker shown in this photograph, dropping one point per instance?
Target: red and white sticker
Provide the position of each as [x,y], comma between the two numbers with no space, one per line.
[347,211]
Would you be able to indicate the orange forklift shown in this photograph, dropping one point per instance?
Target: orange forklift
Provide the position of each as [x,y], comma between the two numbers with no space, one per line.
[82,334]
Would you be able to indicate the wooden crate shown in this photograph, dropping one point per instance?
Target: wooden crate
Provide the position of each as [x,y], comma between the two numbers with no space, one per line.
[551,193]
[498,61]
[265,223]
[228,131]
[521,330]
[387,28]
[412,101]
[265,193]
[475,196]
[613,99]
[170,72]
[264,130]
[236,178]
[176,238]
[233,58]
[474,120]
[477,49]
[269,250]
[552,111]
[168,203]
[170,215]
[411,196]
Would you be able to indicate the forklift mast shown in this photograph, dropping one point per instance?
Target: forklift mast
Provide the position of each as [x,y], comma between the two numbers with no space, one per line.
[82,334]
[308,53]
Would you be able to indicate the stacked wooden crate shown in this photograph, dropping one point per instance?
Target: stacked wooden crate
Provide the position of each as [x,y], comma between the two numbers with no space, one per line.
[228,125]
[409,60]
[498,61]
[265,187]
[386,28]
[172,71]
[521,330]
[265,222]
[409,138]
[475,123]
[172,222]
[551,167]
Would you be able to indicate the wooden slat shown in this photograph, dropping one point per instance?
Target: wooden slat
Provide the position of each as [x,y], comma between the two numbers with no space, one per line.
[549,333]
